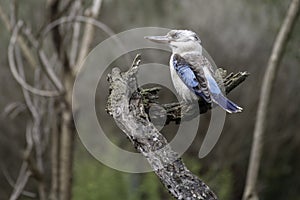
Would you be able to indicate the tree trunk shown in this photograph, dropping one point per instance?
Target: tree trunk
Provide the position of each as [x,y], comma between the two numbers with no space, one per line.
[67,142]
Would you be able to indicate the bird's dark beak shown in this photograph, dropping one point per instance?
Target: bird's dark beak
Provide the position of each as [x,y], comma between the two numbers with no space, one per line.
[158,39]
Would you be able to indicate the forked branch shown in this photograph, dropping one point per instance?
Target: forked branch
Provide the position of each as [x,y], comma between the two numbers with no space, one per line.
[126,106]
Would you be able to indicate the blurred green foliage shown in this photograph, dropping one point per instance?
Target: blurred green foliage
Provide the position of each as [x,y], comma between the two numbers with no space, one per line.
[94,181]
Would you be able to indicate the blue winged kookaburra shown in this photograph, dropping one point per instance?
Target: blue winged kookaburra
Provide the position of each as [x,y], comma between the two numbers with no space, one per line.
[191,72]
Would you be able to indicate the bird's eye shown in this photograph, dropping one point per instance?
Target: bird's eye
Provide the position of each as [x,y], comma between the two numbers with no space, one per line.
[196,37]
[175,35]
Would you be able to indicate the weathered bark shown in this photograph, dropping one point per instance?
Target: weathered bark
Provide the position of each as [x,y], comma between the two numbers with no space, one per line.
[126,105]
[250,191]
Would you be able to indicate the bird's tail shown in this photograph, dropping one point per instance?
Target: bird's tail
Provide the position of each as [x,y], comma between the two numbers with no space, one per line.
[226,104]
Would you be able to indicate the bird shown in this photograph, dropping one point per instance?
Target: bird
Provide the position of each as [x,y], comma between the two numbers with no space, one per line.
[191,72]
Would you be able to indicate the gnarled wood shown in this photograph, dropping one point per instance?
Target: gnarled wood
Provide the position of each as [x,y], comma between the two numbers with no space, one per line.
[126,104]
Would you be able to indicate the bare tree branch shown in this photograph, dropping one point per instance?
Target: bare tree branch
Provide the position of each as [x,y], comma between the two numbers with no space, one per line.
[66,140]
[36,135]
[76,34]
[250,191]
[13,109]
[28,100]
[33,136]
[46,66]
[15,73]
[54,161]
[20,40]
[24,172]
[5,19]
[13,12]
[21,182]
[67,136]
[125,104]
[89,32]
[50,72]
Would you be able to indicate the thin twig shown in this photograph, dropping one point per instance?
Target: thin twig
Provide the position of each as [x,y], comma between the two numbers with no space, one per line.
[27,98]
[5,19]
[10,181]
[14,109]
[46,66]
[250,191]
[33,135]
[13,12]
[50,72]
[76,34]
[22,179]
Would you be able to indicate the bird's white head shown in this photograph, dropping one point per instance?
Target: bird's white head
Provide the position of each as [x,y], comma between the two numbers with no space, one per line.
[180,41]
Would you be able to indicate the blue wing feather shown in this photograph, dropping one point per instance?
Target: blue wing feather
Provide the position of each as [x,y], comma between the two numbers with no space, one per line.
[217,94]
[212,84]
[198,78]
[188,76]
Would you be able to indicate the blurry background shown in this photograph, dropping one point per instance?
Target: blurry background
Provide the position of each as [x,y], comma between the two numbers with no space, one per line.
[239,35]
